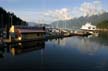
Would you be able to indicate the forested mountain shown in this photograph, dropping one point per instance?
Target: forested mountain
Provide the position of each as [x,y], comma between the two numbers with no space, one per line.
[7,17]
[78,22]
[103,24]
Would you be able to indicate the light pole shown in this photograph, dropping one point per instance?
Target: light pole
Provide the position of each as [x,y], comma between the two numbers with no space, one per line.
[10,38]
[11,19]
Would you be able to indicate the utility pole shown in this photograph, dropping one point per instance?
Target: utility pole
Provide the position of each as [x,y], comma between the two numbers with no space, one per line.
[10,38]
[11,19]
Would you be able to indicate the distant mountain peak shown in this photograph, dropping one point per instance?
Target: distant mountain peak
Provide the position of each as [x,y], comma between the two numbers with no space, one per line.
[78,22]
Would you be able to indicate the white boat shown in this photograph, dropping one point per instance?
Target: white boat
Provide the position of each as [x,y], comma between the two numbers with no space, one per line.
[88,26]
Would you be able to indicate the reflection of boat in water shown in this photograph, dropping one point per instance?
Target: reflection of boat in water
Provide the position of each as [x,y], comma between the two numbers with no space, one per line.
[20,48]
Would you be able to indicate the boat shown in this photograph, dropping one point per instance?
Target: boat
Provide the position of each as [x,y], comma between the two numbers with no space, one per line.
[91,29]
[88,26]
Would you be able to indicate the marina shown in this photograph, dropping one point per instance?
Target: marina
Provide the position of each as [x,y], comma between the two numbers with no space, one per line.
[53,35]
[23,34]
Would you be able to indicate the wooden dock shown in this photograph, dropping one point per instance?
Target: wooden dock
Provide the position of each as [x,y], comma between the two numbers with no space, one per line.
[81,34]
[8,41]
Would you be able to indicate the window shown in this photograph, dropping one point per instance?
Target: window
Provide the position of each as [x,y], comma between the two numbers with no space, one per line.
[89,27]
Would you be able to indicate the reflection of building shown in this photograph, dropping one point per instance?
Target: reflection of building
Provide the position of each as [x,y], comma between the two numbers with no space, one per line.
[26,47]
[2,50]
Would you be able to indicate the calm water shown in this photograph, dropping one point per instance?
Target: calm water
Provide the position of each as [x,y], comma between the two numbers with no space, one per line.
[72,53]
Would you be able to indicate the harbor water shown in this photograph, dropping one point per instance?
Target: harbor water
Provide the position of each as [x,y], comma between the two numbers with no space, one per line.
[74,53]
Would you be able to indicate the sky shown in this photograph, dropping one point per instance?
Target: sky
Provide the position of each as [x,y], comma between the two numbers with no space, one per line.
[47,11]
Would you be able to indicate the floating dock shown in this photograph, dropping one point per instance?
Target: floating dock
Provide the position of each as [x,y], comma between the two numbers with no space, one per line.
[7,41]
[38,33]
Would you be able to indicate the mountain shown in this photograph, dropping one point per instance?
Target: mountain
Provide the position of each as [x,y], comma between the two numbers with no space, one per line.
[37,24]
[32,24]
[7,19]
[76,23]
[103,25]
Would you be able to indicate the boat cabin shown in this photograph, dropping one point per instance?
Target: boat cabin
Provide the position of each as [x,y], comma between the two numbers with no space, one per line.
[88,26]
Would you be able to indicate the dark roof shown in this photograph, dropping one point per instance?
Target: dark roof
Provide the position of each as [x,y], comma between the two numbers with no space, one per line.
[30,31]
[29,27]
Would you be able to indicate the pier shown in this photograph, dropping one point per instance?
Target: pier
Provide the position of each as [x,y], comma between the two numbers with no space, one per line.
[32,34]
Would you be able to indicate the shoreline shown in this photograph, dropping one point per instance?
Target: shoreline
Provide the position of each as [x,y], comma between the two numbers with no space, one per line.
[104,30]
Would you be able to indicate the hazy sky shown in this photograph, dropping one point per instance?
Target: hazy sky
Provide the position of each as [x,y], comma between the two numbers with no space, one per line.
[51,10]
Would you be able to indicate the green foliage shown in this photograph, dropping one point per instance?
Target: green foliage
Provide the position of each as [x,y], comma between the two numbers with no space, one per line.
[5,19]
[103,25]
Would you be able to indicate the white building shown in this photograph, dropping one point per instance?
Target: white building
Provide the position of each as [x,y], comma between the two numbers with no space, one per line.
[88,26]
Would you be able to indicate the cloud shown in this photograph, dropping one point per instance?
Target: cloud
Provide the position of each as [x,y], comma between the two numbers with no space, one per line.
[91,8]
[59,14]
[48,16]
[85,9]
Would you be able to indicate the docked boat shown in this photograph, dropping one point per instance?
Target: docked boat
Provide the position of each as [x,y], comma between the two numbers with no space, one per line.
[88,26]
[91,29]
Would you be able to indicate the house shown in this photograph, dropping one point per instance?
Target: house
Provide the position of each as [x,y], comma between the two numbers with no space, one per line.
[88,26]
[27,33]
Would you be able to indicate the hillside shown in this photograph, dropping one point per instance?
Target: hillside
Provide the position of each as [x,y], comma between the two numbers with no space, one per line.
[78,22]
[5,19]
[103,25]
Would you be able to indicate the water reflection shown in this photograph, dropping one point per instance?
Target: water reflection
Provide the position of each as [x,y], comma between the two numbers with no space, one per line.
[83,44]
[60,41]
[20,48]
[102,38]
[75,53]
[1,52]
[86,45]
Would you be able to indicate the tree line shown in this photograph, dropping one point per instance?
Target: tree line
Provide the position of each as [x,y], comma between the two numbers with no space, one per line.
[103,25]
[8,19]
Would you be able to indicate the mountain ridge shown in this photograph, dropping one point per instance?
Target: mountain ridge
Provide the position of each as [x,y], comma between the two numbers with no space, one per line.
[78,22]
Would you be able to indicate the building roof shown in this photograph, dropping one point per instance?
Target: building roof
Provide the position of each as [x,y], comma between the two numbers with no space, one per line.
[30,31]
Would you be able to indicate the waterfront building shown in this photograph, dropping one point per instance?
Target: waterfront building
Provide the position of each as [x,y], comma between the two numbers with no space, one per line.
[28,33]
